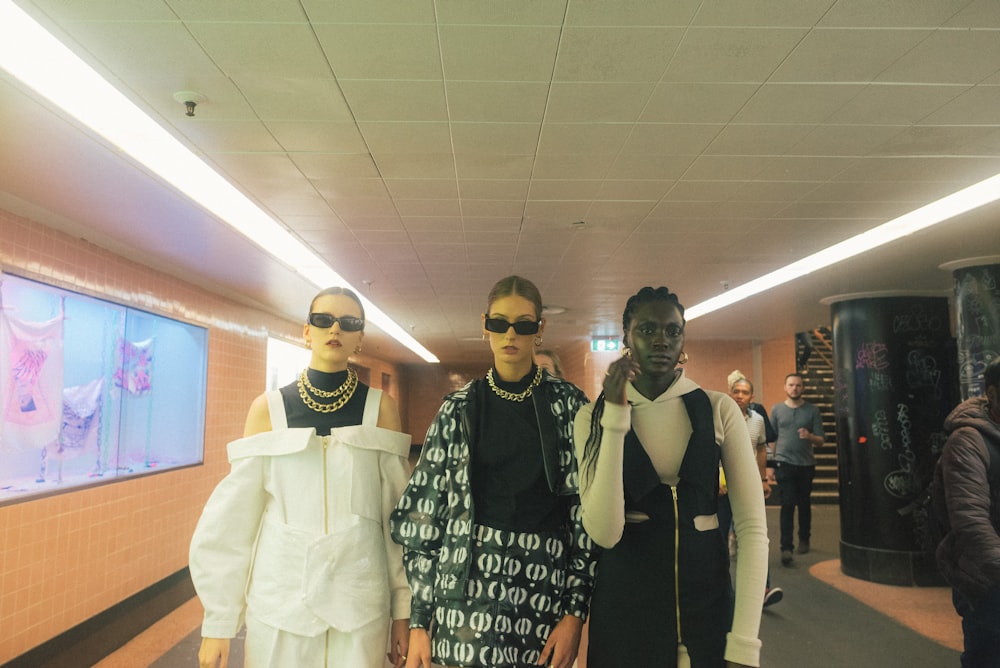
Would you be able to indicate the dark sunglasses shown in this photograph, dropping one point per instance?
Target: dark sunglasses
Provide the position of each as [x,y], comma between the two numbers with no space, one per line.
[522,327]
[348,323]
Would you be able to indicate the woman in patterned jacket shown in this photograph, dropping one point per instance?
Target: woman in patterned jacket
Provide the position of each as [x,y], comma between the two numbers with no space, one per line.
[498,563]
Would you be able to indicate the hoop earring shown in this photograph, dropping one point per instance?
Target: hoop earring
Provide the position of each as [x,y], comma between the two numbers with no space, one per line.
[683,359]
[538,341]
[627,352]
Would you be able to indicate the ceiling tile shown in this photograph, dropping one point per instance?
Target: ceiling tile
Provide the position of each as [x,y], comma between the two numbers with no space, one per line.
[406,137]
[491,208]
[583,138]
[486,166]
[977,105]
[894,104]
[509,12]
[310,136]
[796,103]
[631,13]
[845,140]
[515,190]
[956,56]
[365,11]
[597,102]
[262,50]
[295,99]
[774,13]
[498,53]
[670,138]
[428,207]
[696,102]
[626,54]
[846,55]
[327,165]
[417,166]
[596,166]
[512,138]
[496,102]
[391,51]
[422,188]
[258,11]
[736,55]
[395,100]
[853,13]
[660,167]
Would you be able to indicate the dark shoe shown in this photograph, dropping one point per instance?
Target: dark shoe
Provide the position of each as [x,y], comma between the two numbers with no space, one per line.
[786,557]
[772,596]
[803,547]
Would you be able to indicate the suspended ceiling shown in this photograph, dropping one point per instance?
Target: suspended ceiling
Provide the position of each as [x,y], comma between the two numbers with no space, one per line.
[427,148]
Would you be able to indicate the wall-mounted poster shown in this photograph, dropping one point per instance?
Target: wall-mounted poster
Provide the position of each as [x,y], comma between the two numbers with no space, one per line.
[93,391]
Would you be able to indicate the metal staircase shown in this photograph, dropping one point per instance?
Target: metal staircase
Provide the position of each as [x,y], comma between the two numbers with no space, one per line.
[817,375]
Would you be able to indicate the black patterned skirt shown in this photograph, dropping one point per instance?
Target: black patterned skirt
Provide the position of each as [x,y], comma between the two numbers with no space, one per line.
[513,601]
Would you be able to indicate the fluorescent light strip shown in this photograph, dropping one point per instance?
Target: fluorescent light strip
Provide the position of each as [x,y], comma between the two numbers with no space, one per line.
[943,209]
[40,61]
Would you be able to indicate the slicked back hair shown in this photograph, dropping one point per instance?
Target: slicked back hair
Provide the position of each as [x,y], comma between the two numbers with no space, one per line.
[515,285]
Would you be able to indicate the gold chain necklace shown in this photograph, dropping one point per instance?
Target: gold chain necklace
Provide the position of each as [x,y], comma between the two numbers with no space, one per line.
[510,396]
[322,394]
[346,391]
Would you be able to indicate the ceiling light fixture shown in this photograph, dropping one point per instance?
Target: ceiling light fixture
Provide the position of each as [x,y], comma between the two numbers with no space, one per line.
[40,61]
[943,209]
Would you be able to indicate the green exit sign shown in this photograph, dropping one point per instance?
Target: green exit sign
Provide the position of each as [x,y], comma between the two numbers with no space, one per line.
[605,345]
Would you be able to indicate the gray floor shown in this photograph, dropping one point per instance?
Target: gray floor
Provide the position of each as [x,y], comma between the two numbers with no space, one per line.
[818,626]
[814,626]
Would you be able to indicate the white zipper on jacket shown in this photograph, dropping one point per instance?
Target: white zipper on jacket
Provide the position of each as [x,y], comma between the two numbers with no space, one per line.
[326,531]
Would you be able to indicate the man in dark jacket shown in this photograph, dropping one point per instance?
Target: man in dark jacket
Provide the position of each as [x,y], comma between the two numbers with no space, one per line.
[969,555]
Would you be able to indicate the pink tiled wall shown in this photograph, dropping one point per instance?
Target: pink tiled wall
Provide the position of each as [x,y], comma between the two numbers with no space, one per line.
[66,558]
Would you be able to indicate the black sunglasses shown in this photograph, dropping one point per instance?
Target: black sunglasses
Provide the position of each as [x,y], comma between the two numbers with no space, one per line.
[522,327]
[348,323]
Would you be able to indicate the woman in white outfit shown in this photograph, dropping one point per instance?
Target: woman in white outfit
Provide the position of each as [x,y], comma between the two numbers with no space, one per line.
[294,541]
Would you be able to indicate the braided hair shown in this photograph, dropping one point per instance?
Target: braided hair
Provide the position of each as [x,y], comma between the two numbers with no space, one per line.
[644,296]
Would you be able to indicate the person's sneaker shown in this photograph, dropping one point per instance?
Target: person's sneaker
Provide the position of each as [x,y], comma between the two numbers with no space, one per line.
[803,547]
[772,596]
[786,557]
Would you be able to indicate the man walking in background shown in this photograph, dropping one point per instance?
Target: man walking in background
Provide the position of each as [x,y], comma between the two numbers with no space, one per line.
[800,428]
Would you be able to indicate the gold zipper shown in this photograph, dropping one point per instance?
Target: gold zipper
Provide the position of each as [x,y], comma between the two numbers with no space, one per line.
[677,572]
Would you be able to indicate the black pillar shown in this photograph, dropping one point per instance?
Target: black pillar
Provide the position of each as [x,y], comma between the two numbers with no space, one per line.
[977,319]
[895,380]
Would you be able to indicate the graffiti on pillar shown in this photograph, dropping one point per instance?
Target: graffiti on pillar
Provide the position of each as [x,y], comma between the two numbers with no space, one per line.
[879,381]
[977,301]
[902,483]
[841,393]
[916,319]
[923,373]
[872,355]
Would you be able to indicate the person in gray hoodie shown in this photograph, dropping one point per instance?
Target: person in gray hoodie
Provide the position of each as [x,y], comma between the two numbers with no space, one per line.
[969,554]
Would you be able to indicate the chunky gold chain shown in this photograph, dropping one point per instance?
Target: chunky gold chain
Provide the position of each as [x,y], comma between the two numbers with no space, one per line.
[510,396]
[346,391]
[323,394]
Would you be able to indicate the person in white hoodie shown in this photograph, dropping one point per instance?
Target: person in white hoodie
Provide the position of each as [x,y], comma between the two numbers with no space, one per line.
[648,452]
[294,541]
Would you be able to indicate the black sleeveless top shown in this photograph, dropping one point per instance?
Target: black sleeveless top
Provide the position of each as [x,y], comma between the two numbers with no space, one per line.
[300,415]
[509,487]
